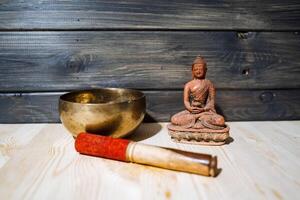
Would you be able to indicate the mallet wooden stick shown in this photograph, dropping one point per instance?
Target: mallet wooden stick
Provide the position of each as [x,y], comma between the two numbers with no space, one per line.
[129,151]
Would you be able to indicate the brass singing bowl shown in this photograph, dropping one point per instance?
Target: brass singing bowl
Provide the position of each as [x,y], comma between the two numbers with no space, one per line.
[112,112]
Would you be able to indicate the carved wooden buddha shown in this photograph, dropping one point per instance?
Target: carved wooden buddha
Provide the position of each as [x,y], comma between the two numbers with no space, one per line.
[199,123]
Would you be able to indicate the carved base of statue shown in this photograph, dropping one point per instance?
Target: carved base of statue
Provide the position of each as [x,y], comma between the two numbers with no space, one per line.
[206,128]
[203,136]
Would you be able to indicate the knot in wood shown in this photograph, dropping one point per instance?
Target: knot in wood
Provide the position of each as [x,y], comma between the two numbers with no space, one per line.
[266,97]
[75,64]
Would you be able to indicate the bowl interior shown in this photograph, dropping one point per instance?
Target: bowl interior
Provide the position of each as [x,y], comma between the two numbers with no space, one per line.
[102,96]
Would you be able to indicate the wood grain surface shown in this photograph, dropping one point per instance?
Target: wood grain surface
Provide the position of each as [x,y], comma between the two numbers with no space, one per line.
[155,14]
[59,61]
[235,105]
[38,161]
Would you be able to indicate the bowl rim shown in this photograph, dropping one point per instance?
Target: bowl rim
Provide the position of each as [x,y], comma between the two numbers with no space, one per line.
[142,95]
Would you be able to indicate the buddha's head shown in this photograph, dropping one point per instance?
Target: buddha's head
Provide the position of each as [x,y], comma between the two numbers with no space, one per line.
[199,68]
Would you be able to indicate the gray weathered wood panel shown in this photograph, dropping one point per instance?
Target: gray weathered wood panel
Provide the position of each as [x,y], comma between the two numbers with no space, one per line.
[233,104]
[59,61]
[154,14]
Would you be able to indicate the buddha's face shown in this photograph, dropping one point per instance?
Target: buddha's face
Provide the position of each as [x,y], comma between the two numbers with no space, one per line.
[199,70]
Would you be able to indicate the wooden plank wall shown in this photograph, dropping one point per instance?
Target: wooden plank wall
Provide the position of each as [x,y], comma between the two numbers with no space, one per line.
[51,47]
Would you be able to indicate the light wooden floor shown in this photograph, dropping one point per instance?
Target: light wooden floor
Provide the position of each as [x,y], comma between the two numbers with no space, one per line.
[38,161]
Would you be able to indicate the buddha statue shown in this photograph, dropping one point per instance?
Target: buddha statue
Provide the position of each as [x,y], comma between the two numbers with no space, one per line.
[199,123]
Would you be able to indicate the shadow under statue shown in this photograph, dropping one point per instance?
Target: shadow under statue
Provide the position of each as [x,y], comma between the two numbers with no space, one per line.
[199,123]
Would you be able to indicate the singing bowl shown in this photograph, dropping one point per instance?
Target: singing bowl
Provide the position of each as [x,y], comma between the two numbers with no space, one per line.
[112,112]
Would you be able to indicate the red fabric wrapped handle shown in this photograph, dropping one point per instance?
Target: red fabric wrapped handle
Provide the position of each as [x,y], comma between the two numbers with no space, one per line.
[101,146]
